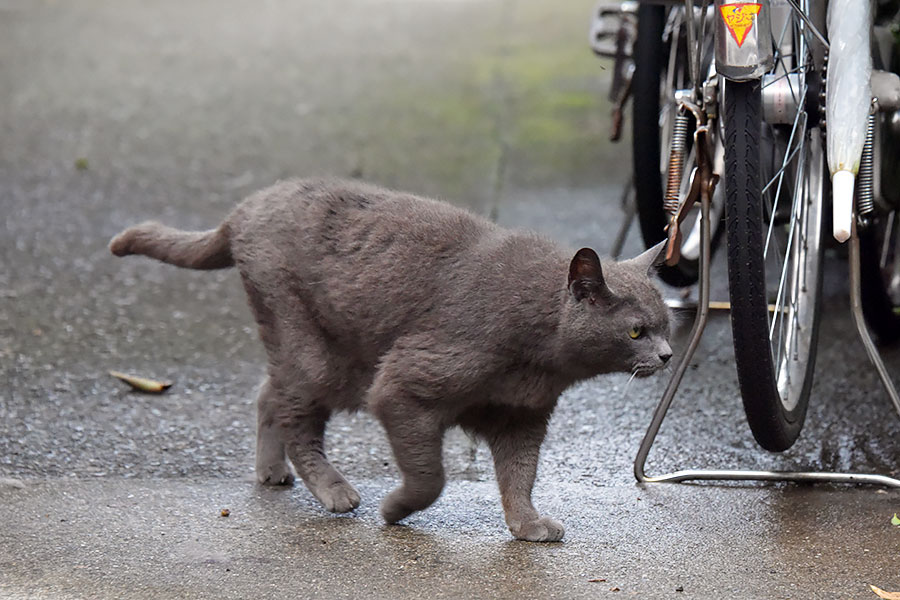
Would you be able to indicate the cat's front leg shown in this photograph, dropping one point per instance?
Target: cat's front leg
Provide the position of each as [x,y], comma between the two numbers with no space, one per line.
[515,444]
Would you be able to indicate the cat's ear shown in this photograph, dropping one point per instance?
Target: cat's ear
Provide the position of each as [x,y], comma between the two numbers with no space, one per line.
[651,259]
[586,276]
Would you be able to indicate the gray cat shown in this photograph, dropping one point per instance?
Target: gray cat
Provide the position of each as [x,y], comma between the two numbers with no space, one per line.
[424,314]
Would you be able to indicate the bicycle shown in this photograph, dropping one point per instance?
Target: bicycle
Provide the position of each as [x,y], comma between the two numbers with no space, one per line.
[651,54]
[770,102]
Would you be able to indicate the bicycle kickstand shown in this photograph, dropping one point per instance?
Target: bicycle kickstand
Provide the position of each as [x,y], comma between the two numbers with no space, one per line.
[659,414]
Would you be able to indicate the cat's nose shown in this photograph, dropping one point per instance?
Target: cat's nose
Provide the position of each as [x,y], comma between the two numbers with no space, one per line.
[665,356]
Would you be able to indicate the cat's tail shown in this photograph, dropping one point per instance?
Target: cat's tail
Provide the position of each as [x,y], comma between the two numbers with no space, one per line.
[187,249]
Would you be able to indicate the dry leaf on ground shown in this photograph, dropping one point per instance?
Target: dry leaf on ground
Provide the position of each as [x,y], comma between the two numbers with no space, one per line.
[142,383]
[886,595]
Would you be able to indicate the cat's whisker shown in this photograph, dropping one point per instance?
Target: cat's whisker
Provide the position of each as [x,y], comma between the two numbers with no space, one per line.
[630,379]
[668,370]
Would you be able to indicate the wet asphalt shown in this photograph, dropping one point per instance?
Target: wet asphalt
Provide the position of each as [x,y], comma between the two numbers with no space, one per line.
[115,112]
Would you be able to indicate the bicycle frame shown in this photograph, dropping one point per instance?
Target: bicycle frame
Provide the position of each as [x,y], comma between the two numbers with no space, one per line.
[743,63]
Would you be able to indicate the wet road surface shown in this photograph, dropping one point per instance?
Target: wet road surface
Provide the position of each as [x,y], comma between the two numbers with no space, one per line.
[112,113]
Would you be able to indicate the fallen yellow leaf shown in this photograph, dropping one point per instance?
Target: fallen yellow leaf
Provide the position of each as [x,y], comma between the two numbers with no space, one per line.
[886,595]
[141,383]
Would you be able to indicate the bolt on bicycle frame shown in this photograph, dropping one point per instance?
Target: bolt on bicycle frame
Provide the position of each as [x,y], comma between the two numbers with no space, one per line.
[739,63]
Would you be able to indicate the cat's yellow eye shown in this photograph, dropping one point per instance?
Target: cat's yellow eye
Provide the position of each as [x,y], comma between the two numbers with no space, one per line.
[635,332]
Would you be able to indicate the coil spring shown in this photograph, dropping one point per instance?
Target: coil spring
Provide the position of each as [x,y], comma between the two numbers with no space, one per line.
[865,178]
[823,125]
[676,163]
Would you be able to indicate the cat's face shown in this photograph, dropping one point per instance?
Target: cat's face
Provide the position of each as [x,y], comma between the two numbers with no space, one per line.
[616,319]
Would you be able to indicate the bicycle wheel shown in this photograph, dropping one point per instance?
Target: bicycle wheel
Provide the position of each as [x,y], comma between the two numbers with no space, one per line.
[660,68]
[879,236]
[774,184]
[879,248]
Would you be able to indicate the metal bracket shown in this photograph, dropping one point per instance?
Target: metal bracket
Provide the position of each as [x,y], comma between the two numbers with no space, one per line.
[697,332]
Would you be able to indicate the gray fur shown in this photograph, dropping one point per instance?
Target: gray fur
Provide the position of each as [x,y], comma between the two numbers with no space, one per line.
[425,315]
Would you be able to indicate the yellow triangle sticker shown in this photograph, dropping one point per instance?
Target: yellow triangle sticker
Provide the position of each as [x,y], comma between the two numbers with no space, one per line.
[739,19]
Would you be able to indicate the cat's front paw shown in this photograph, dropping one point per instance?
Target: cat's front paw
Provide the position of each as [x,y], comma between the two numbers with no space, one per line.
[339,497]
[393,509]
[276,475]
[543,529]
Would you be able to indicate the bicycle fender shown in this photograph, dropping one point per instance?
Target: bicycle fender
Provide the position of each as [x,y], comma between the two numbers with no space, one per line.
[743,39]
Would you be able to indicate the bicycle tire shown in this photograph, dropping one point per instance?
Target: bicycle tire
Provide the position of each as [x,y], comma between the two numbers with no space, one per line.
[775,423]
[880,234]
[879,308]
[646,145]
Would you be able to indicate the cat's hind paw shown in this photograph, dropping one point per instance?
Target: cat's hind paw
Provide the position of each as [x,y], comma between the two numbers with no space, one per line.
[543,529]
[339,497]
[276,475]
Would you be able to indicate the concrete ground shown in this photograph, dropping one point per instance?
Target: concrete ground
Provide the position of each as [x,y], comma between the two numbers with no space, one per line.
[114,112]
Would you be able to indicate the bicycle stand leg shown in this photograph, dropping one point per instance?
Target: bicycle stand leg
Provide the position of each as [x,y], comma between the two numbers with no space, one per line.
[856,308]
[629,204]
[696,333]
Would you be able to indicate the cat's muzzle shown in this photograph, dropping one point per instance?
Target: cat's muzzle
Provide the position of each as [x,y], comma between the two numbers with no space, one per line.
[645,370]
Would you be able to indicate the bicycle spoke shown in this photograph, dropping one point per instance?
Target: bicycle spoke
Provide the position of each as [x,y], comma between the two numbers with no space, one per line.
[786,262]
[789,156]
[810,27]
[785,322]
[799,262]
[779,171]
[799,69]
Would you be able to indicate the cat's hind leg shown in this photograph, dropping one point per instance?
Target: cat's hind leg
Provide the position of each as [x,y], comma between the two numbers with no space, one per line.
[272,467]
[295,402]
[306,450]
